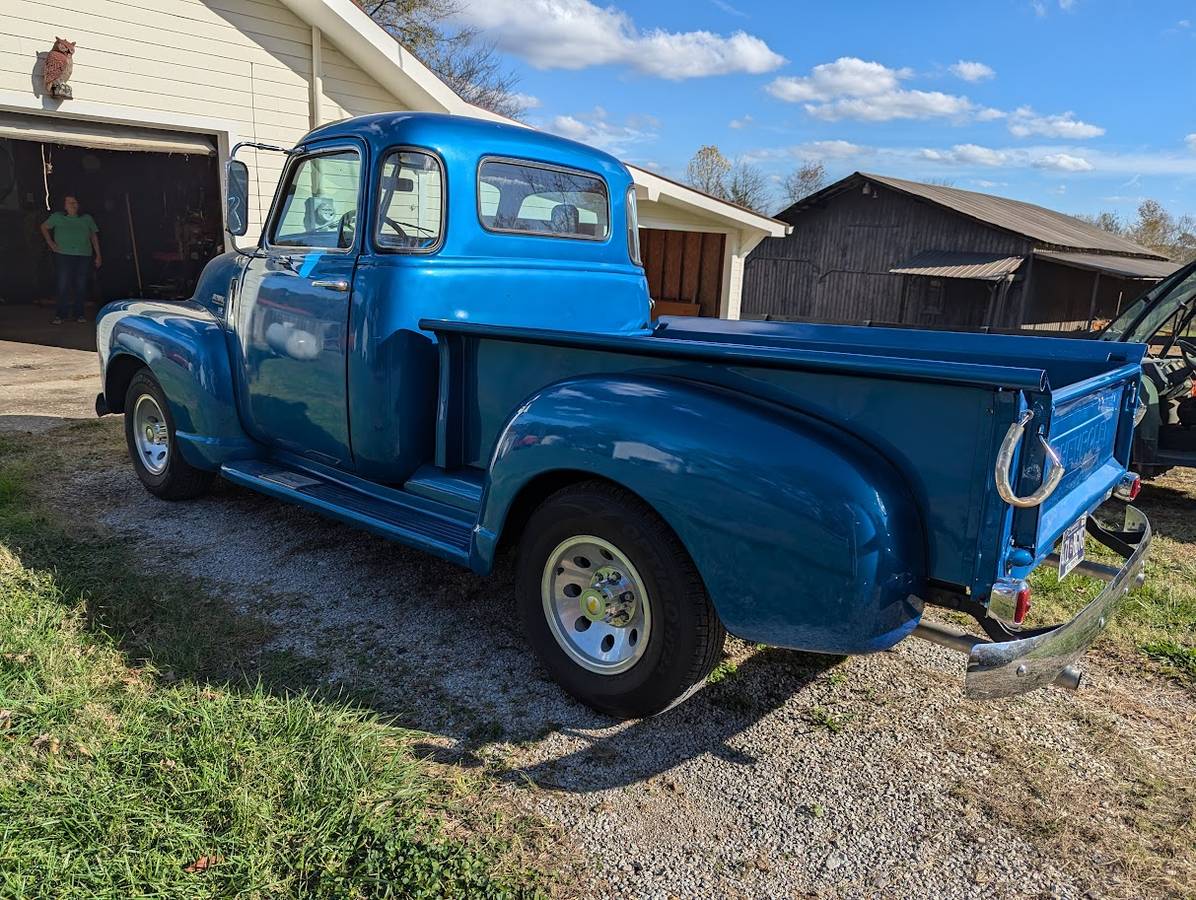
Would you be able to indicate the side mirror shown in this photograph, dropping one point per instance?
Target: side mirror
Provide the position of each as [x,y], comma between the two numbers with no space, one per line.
[236,209]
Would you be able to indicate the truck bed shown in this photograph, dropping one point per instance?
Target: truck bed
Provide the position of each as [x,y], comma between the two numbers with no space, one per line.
[937,405]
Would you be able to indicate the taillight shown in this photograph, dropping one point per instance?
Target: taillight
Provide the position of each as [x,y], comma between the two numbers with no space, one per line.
[1010,600]
[1022,607]
[1129,487]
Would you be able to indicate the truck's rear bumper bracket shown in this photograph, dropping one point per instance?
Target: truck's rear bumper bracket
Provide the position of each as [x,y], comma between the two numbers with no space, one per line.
[1014,667]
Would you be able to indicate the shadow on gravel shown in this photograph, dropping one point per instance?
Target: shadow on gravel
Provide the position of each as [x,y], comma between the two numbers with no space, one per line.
[704,724]
[32,424]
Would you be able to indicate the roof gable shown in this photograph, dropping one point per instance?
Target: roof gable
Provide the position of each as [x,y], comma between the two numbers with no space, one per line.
[1053,230]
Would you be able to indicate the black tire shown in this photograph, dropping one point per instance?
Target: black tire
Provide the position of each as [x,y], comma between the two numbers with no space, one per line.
[686,638]
[179,480]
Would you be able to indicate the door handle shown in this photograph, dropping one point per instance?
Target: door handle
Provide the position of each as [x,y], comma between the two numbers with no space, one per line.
[334,284]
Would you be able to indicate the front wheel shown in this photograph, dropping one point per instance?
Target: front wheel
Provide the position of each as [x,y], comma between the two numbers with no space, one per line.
[612,604]
[153,446]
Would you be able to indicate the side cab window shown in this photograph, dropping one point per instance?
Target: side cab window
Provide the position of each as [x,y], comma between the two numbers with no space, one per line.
[410,202]
[318,206]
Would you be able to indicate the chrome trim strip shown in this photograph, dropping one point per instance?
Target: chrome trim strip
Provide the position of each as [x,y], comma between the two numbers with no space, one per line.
[1015,667]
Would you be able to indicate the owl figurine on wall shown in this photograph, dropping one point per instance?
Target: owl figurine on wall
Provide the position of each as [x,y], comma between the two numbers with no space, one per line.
[59,65]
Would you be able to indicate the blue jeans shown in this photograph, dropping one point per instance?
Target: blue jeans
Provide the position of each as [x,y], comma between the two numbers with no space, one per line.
[72,284]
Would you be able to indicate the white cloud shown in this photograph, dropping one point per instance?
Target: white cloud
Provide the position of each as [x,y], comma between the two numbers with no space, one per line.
[576,34]
[817,150]
[1190,140]
[1024,122]
[742,122]
[596,129]
[1067,5]
[527,101]
[967,155]
[972,71]
[1038,158]
[1063,162]
[833,149]
[851,88]
[846,76]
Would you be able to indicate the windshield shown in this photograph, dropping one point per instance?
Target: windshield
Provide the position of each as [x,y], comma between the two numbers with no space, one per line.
[1146,315]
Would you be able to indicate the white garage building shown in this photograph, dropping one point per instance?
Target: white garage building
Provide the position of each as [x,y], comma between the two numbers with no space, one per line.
[164,88]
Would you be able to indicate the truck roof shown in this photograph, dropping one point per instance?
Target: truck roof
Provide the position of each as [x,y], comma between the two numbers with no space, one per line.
[462,137]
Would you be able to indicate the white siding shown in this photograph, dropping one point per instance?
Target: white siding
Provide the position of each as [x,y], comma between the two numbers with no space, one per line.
[243,62]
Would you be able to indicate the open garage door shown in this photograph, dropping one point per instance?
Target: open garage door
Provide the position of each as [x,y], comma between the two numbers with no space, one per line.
[154,194]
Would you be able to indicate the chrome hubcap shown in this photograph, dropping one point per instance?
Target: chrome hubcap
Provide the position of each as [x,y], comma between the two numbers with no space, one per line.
[596,605]
[151,434]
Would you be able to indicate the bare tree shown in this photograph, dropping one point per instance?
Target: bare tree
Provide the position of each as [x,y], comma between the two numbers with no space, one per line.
[1154,228]
[468,65]
[748,187]
[806,179]
[1105,221]
[708,171]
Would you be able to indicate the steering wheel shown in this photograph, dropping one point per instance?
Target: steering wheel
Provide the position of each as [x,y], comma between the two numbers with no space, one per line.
[346,229]
[1187,349]
[396,226]
[401,230]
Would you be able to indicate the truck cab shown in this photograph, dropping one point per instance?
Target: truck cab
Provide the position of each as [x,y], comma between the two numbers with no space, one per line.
[1162,318]
[443,335]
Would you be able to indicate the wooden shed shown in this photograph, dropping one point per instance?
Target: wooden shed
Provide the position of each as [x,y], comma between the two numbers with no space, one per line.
[884,250]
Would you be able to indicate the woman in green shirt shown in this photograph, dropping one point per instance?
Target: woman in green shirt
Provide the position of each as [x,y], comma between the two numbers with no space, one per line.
[74,239]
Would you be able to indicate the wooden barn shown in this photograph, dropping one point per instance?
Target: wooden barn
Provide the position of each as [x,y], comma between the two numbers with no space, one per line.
[887,251]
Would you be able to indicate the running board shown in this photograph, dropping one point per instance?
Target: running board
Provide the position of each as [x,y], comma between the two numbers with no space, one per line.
[384,511]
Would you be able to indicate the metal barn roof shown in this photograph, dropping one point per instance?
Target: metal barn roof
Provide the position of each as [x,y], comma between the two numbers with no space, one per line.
[1054,229]
[950,264]
[1123,266]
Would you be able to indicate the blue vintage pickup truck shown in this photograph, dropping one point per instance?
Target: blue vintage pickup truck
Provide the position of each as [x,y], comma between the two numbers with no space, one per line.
[444,335]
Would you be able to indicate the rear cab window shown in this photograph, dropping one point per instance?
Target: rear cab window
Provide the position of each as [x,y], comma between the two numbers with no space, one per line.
[522,197]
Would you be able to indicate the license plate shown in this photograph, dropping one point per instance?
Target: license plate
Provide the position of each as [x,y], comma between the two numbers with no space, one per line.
[1071,548]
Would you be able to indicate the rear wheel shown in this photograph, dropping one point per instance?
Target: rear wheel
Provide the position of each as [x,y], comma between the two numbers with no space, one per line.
[153,447]
[612,603]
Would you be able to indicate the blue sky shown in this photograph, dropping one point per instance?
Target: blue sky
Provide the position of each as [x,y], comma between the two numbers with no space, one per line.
[1079,105]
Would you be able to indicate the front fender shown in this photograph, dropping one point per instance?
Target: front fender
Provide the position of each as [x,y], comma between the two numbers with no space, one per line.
[805,536]
[185,347]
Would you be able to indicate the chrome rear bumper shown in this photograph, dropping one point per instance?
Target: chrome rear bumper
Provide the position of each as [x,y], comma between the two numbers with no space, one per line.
[1015,667]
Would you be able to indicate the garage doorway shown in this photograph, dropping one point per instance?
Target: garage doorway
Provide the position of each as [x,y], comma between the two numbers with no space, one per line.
[684,269]
[159,216]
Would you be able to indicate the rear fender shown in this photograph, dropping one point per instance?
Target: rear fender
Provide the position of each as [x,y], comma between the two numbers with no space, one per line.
[185,347]
[805,536]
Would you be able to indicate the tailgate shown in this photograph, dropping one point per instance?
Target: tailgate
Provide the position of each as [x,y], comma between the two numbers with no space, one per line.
[1090,431]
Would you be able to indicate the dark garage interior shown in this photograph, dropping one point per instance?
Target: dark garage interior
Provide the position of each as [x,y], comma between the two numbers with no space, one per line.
[159,220]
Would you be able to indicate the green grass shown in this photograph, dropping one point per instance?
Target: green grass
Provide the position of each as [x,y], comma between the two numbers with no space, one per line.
[1157,623]
[140,756]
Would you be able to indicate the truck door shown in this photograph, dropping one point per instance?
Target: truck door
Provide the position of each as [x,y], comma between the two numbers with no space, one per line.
[292,311]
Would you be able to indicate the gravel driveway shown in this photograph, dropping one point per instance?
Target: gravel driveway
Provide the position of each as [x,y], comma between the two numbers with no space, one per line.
[792,775]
